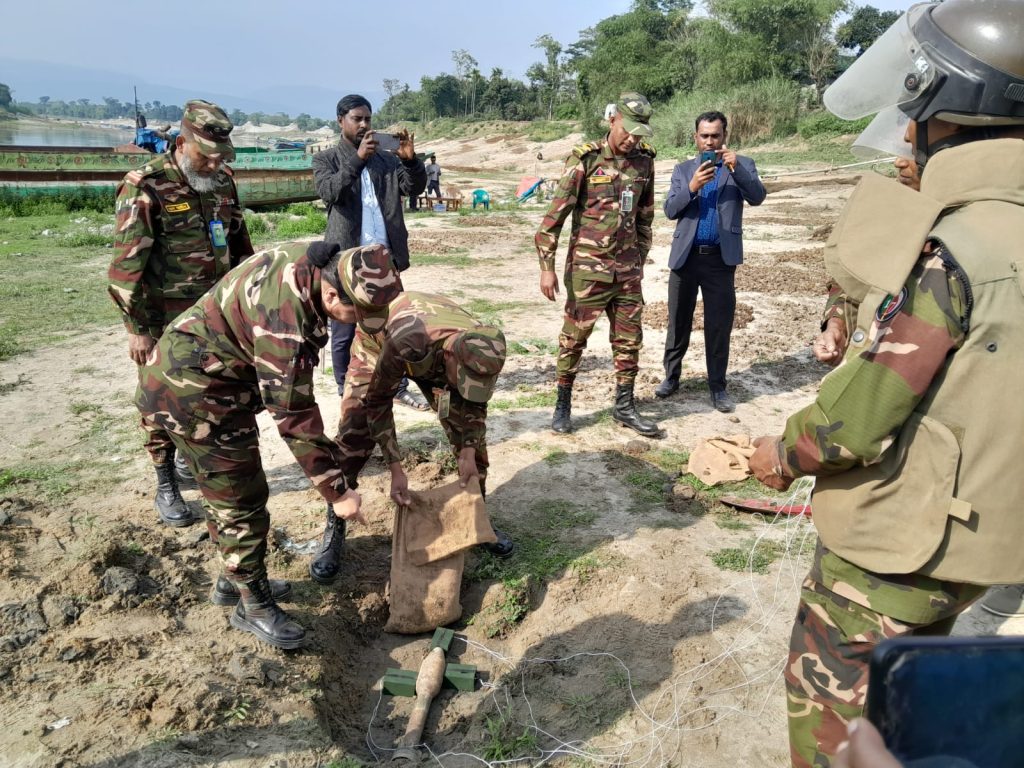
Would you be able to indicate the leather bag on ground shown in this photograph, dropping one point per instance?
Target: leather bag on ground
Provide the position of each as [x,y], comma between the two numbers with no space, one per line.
[428,554]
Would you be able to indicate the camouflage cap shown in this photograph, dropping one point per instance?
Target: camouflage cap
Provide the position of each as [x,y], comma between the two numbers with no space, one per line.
[473,359]
[636,113]
[209,127]
[369,277]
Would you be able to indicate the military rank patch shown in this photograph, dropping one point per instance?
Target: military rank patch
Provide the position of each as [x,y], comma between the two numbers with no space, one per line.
[600,177]
[890,306]
[178,207]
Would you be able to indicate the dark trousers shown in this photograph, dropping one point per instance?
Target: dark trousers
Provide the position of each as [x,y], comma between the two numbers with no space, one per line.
[717,283]
[341,354]
[435,187]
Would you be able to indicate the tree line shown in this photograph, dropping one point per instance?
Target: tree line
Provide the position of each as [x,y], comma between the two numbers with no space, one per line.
[660,48]
[155,111]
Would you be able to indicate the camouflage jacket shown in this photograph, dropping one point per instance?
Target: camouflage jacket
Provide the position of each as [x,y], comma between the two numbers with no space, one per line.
[838,304]
[607,244]
[922,322]
[254,343]
[426,321]
[163,247]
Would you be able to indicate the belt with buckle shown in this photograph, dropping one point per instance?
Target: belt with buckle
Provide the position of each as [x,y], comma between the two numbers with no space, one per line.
[707,250]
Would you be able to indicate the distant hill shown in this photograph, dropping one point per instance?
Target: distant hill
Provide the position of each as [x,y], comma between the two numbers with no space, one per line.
[31,79]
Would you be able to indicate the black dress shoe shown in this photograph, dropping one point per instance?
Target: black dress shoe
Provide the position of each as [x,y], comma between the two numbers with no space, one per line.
[666,388]
[503,547]
[723,402]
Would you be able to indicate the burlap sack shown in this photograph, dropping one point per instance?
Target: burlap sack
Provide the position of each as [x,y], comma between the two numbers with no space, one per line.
[721,459]
[428,554]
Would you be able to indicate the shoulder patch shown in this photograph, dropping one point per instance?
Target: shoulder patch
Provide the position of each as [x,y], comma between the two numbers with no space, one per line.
[890,306]
[647,149]
[134,177]
[580,150]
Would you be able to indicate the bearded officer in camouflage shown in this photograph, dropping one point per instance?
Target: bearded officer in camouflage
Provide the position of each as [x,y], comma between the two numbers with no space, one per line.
[251,344]
[914,436]
[454,360]
[608,189]
[180,228]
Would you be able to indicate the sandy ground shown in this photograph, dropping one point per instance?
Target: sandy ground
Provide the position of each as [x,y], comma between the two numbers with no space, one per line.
[110,654]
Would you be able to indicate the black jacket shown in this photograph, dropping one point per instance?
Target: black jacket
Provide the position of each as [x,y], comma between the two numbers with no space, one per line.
[338,172]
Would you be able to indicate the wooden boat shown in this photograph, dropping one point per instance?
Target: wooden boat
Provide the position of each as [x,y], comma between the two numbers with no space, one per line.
[263,177]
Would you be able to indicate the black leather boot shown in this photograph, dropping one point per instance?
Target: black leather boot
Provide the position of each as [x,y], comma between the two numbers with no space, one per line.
[626,414]
[183,473]
[562,421]
[226,593]
[169,505]
[256,612]
[325,566]
[503,547]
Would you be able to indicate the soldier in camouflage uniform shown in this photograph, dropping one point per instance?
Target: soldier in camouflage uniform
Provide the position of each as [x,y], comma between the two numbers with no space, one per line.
[252,344]
[914,436]
[179,230]
[608,189]
[454,360]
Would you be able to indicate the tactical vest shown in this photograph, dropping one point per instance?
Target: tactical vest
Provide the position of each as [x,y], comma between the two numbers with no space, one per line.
[945,498]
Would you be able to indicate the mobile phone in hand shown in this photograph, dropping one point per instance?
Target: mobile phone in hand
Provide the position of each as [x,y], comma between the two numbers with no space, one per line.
[950,701]
[387,141]
[708,156]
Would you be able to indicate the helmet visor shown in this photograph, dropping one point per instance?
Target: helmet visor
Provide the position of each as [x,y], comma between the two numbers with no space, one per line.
[884,136]
[893,71]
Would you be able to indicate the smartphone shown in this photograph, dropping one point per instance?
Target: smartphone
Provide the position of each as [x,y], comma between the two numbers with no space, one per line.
[708,156]
[387,141]
[950,701]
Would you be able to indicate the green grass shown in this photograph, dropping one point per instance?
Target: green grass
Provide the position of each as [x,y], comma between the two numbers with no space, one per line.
[489,312]
[533,346]
[49,271]
[555,457]
[741,559]
[506,740]
[534,399]
[52,481]
[647,485]
[458,257]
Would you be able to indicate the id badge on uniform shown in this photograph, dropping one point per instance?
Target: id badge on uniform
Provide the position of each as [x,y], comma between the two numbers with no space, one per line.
[217,235]
[626,201]
[444,404]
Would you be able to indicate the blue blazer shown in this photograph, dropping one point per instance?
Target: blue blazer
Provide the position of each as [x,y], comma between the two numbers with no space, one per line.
[733,188]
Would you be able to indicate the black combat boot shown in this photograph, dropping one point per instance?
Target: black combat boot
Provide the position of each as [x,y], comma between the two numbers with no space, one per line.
[325,566]
[626,414]
[256,612]
[226,593]
[183,473]
[172,508]
[503,547]
[562,420]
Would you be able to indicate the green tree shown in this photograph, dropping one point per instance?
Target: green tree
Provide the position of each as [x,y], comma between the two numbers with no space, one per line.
[441,95]
[465,65]
[863,27]
[548,75]
[5,96]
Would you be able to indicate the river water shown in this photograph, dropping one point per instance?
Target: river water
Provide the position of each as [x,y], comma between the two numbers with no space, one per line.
[67,134]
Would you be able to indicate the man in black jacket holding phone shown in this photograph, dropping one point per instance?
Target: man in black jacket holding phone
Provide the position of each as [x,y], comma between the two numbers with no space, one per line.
[363,185]
[706,200]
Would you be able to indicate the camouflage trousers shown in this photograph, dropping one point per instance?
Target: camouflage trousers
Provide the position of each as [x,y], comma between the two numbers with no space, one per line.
[157,442]
[211,421]
[353,431]
[844,613]
[586,301]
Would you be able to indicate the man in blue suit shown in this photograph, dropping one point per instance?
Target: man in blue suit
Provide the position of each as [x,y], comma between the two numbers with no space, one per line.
[706,199]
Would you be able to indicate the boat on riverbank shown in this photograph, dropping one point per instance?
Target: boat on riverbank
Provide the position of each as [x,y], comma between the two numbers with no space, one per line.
[263,177]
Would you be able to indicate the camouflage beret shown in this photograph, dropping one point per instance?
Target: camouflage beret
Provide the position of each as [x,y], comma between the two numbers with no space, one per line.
[209,127]
[370,279]
[636,113]
[473,360]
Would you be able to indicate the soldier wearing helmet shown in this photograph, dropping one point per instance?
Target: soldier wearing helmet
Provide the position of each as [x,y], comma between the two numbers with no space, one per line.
[914,437]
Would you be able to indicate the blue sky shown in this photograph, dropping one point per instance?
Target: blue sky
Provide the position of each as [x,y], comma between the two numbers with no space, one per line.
[262,50]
